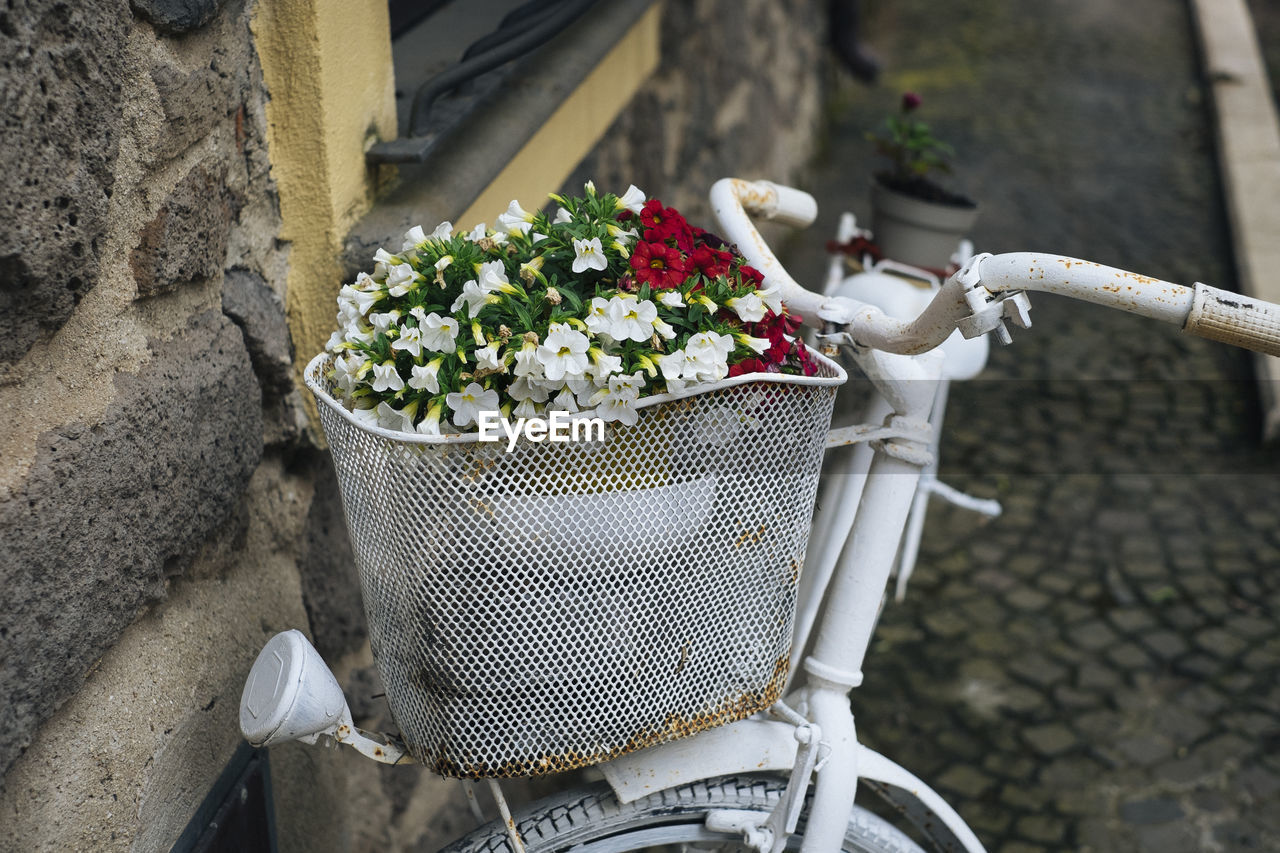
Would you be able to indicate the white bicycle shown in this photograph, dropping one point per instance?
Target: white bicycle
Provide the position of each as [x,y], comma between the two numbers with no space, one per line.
[767,781]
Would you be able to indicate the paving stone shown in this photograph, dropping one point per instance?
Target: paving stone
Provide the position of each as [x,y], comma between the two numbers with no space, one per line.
[1168,838]
[1157,810]
[965,780]
[1042,828]
[1049,740]
[1132,619]
[1219,643]
[1128,656]
[1037,669]
[1021,847]
[1094,676]
[1027,599]
[1165,644]
[1093,635]
[945,623]
[1198,666]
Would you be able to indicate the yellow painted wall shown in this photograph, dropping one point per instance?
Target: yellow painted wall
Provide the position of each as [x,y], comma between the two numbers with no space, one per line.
[327,67]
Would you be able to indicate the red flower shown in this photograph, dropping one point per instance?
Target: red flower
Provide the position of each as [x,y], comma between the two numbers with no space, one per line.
[910,100]
[748,365]
[661,266]
[664,223]
[710,262]
[752,274]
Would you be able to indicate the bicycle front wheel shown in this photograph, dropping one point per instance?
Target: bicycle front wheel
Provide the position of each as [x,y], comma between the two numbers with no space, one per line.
[591,820]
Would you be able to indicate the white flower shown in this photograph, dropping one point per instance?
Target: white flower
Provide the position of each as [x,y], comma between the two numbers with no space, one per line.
[590,188]
[671,299]
[621,237]
[598,316]
[707,356]
[663,328]
[385,377]
[478,233]
[365,282]
[358,335]
[525,389]
[757,345]
[565,401]
[631,319]
[396,419]
[526,408]
[425,376]
[366,417]
[562,216]
[444,262]
[430,424]
[633,200]
[443,231]
[382,322]
[516,220]
[473,296]
[527,363]
[487,358]
[616,407]
[438,333]
[771,296]
[410,340]
[590,255]
[335,341]
[749,308]
[564,352]
[603,365]
[353,304]
[470,402]
[493,277]
[625,385]
[413,238]
[345,369]
[400,279]
[672,366]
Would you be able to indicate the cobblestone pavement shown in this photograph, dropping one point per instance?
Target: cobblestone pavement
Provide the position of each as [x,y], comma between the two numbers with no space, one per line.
[1099,668]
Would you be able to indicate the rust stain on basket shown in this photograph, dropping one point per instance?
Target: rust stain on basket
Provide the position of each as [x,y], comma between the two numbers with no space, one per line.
[673,727]
[750,537]
[481,507]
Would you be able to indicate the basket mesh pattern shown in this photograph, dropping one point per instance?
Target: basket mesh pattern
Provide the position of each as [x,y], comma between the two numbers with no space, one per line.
[562,604]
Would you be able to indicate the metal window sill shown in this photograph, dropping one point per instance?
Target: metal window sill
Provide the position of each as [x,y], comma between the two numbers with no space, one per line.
[473,152]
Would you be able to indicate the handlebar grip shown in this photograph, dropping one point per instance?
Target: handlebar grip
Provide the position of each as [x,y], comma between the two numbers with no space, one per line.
[779,203]
[1231,318]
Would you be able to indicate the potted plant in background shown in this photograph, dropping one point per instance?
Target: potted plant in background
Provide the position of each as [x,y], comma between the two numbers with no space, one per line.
[913,218]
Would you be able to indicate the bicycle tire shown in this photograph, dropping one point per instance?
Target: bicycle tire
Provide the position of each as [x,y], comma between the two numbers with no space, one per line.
[591,820]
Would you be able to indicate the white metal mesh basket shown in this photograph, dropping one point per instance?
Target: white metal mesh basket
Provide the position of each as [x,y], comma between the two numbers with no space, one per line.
[562,604]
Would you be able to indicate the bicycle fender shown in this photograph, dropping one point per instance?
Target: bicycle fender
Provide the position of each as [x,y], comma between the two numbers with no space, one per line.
[755,746]
[917,802]
[746,746]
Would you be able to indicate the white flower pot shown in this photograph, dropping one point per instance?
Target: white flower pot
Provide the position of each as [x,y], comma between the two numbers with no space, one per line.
[917,232]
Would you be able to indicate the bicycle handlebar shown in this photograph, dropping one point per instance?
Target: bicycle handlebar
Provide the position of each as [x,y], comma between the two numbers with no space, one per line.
[1231,318]
[976,290]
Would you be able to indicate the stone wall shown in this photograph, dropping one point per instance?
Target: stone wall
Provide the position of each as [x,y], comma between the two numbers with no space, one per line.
[154,480]
[162,506]
[738,93]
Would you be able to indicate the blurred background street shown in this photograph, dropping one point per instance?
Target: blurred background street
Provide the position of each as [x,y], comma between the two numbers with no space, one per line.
[1099,668]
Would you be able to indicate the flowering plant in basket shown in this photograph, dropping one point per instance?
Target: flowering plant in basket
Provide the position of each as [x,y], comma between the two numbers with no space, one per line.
[586,310]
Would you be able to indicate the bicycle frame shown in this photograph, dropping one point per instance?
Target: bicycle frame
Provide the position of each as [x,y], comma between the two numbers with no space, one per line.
[978,299]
